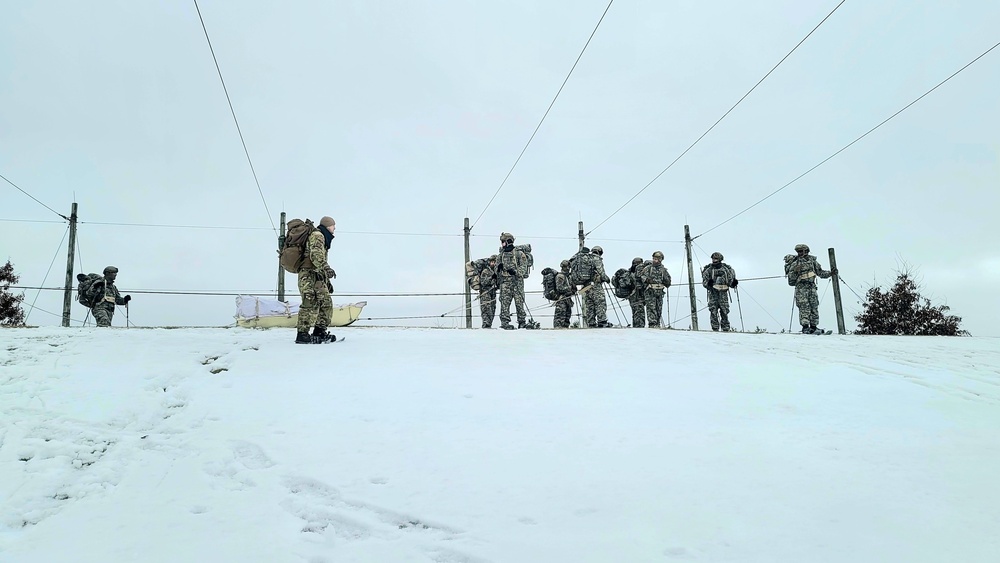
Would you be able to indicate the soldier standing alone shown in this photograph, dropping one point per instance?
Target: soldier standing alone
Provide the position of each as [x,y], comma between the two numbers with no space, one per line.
[315,287]
[802,270]
[104,309]
[717,278]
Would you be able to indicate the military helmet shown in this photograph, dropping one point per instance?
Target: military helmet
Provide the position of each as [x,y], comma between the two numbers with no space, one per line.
[506,237]
[658,254]
[800,247]
[597,250]
[636,260]
[110,270]
[716,255]
[564,264]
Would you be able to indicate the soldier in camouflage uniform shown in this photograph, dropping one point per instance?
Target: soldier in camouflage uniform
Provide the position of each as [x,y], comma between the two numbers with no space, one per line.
[565,291]
[104,309]
[597,305]
[655,279]
[802,271]
[636,299]
[717,278]
[485,284]
[512,267]
[315,286]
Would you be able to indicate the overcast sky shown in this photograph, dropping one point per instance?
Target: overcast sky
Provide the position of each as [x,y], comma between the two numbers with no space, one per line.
[405,117]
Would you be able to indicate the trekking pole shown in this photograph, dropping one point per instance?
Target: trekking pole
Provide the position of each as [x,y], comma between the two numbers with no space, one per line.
[613,301]
[579,308]
[668,309]
[126,315]
[791,315]
[740,307]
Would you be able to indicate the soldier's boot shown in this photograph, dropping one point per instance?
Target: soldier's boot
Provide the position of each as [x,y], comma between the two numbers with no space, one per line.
[812,328]
[806,329]
[507,326]
[485,325]
[303,338]
[521,324]
[320,335]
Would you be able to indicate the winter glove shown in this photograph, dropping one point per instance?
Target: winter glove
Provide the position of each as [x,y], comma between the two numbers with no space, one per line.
[330,273]
[511,271]
[329,286]
[126,299]
[734,283]
[833,271]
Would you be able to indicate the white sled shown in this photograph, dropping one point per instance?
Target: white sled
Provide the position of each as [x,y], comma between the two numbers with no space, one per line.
[258,312]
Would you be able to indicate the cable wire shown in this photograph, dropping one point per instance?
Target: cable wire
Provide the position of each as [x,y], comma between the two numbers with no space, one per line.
[669,166]
[18,188]
[509,172]
[233,111]
[827,159]
[56,255]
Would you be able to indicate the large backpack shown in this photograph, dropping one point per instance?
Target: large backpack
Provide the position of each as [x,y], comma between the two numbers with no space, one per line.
[530,262]
[473,270]
[90,289]
[581,269]
[793,277]
[623,282]
[549,284]
[293,256]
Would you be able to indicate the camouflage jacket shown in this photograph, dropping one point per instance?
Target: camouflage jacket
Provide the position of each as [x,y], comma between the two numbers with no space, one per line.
[487,277]
[654,274]
[111,294]
[511,264]
[317,252]
[804,269]
[720,272]
[563,286]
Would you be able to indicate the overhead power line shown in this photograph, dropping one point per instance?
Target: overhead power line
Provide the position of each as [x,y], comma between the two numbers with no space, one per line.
[18,188]
[707,131]
[233,111]
[537,127]
[848,145]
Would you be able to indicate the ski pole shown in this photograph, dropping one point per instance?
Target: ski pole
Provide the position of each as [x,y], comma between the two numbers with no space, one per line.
[791,315]
[668,308]
[613,300]
[740,307]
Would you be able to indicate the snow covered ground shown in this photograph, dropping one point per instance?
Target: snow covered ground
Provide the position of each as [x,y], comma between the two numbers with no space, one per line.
[469,446]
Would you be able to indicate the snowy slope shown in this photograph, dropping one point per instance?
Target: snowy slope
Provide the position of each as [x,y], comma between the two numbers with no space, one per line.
[469,446]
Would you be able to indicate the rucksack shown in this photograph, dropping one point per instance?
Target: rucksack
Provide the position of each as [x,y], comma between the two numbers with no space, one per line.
[549,284]
[581,269]
[623,282]
[526,249]
[473,270]
[293,256]
[793,278]
[90,289]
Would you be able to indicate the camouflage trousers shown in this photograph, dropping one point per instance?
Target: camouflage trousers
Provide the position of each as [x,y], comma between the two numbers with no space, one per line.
[654,306]
[564,310]
[512,289]
[488,307]
[103,313]
[808,303]
[638,305]
[317,305]
[595,307]
[718,308]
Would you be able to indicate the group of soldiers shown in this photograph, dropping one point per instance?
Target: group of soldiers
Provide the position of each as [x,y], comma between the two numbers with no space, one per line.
[582,279]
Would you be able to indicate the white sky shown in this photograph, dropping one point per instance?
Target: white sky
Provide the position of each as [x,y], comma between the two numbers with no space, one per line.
[404,445]
[404,117]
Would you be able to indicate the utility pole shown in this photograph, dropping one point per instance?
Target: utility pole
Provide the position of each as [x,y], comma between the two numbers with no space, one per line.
[694,301]
[281,271]
[468,289]
[841,329]
[68,290]
[580,235]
